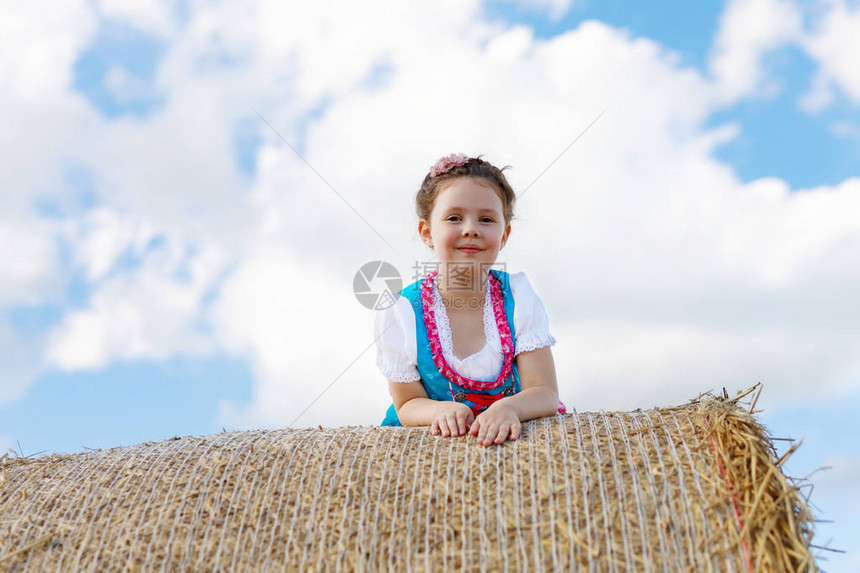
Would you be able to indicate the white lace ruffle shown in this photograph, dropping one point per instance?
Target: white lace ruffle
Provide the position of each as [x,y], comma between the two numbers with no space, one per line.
[491,329]
[529,343]
[399,371]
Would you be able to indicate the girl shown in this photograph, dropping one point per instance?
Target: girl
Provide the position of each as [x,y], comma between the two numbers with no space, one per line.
[467,348]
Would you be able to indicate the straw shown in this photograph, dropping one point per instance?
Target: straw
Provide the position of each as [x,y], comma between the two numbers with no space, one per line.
[693,487]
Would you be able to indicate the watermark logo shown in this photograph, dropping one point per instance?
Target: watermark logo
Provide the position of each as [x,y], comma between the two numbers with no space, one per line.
[459,275]
[376,285]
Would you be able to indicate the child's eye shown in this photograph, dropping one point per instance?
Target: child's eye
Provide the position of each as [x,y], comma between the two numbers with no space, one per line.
[453,217]
[488,220]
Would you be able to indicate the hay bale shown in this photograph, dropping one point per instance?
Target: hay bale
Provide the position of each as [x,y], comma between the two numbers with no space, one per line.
[695,487]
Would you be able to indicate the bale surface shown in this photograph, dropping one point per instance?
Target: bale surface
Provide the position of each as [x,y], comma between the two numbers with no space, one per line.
[691,488]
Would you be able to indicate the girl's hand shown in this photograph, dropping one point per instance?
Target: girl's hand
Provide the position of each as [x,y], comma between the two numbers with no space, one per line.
[451,419]
[496,424]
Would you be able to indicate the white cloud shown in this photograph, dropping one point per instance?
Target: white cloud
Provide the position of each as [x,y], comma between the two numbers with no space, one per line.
[29,258]
[819,96]
[845,129]
[42,122]
[749,29]
[37,60]
[28,278]
[150,15]
[663,274]
[675,276]
[833,42]
[300,325]
[626,366]
[153,311]
[102,236]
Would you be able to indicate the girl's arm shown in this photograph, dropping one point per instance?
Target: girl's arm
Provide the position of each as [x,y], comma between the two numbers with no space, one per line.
[415,408]
[538,394]
[538,397]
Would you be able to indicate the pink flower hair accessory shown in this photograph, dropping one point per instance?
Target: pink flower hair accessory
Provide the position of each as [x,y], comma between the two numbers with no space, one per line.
[448,163]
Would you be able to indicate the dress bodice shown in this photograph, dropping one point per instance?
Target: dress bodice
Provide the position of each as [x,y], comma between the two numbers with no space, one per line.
[396,336]
[487,359]
[414,342]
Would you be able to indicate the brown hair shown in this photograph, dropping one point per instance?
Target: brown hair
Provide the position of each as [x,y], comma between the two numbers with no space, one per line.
[475,167]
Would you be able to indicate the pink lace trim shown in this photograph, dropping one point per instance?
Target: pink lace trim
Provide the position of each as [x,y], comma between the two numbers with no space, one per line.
[436,346]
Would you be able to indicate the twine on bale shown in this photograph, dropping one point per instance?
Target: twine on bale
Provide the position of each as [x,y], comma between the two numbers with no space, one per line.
[694,487]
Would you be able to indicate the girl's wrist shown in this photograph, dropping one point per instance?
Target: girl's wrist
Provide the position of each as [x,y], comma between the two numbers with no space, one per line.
[442,405]
[501,405]
[527,403]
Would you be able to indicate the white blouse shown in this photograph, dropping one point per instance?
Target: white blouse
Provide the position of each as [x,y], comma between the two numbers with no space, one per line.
[397,345]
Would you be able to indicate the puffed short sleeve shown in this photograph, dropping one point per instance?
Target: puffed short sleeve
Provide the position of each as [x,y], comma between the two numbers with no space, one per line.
[394,333]
[530,319]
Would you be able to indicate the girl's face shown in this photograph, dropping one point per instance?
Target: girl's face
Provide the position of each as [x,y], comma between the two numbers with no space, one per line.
[467,223]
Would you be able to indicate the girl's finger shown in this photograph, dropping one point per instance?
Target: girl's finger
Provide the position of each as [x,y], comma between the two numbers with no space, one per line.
[491,434]
[452,423]
[515,431]
[461,423]
[476,425]
[434,427]
[482,434]
[502,435]
[443,427]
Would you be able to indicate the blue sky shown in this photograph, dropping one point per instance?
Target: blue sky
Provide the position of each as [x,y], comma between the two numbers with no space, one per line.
[126,404]
[147,312]
[778,139]
[120,46]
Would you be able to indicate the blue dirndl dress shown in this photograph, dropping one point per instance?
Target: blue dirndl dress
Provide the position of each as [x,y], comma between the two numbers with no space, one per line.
[437,386]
